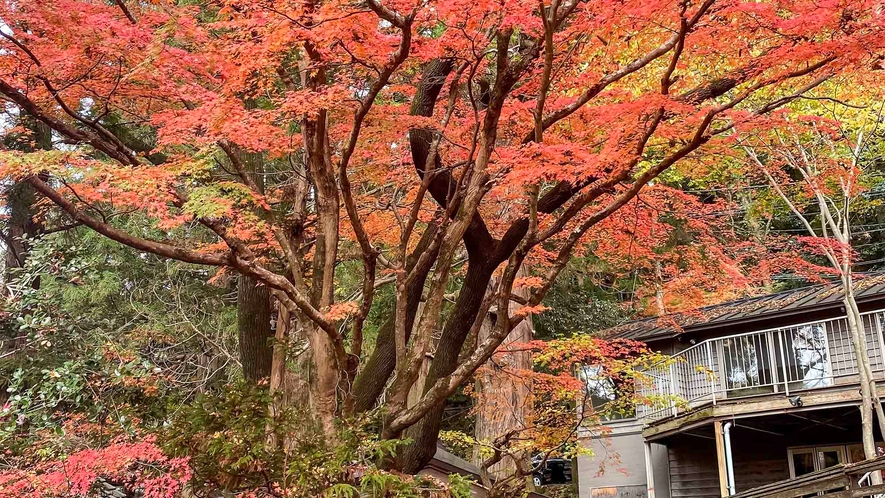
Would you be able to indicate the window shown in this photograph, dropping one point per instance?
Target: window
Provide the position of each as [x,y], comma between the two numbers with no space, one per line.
[855,452]
[609,397]
[809,459]
[807,355]
[830,456]
[801,461]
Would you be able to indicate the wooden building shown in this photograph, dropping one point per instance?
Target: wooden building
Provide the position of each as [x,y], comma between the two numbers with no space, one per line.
[763,389]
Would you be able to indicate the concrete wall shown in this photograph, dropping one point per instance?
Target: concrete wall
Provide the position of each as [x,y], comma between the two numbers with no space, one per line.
[619,460]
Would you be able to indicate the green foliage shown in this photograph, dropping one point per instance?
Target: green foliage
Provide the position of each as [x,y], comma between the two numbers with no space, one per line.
[105,332]
[581,304]
[217,199]
[236,444]
[460,486]
[458,442]
[226,436]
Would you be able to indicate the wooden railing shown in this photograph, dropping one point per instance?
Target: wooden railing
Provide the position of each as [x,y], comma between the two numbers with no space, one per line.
[841,481]
[807,356]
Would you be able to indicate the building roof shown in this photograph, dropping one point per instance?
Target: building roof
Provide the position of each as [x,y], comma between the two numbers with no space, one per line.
[750,309]
[449,463]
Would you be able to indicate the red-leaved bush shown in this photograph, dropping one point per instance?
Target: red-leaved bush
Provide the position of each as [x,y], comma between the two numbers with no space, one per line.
[139,466]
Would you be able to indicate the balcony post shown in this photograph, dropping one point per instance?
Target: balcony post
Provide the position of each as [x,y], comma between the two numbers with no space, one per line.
[771,360]
[673,389]
[720,458]
[712,371]
[786,379]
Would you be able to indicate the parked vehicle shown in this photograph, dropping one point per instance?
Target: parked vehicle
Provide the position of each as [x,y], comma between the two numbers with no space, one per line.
[553,471]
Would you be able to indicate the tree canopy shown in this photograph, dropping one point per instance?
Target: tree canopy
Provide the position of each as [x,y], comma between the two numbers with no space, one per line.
[396,172]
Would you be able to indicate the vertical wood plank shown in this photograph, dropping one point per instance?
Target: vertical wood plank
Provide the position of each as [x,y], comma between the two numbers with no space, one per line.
[720,458]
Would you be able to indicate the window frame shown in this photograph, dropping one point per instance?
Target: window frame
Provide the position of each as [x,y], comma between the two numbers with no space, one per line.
[801,450]
[583,376]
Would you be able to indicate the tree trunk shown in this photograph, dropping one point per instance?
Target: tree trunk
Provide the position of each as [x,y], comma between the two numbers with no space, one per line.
[22,225]
[286,388]
[417,389]
[425,433]
[485,254]
[278,360]
[373,377]
[299,381]
[327,361]
[869,392]
[324,392]
[254,314]
[504,395]
[254,303]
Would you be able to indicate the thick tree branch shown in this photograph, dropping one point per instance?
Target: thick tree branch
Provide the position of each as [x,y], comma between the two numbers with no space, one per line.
[79,135]
[147,245]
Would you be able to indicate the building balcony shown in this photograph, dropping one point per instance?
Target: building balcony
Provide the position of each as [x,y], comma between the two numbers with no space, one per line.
[789,366]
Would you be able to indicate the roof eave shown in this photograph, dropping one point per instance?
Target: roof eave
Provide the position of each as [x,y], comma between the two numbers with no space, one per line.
[708,326]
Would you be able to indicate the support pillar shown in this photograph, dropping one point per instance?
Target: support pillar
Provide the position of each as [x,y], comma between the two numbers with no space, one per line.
[720,459]
[649,471]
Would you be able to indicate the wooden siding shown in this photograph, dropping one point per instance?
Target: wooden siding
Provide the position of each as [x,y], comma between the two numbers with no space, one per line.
[693,470]
[759,459]
[842,358]
[833,478]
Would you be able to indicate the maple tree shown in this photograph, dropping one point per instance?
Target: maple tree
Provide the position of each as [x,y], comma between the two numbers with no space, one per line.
[820,170]
[414,139]
[673,240]
[560,382]
[129,464]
